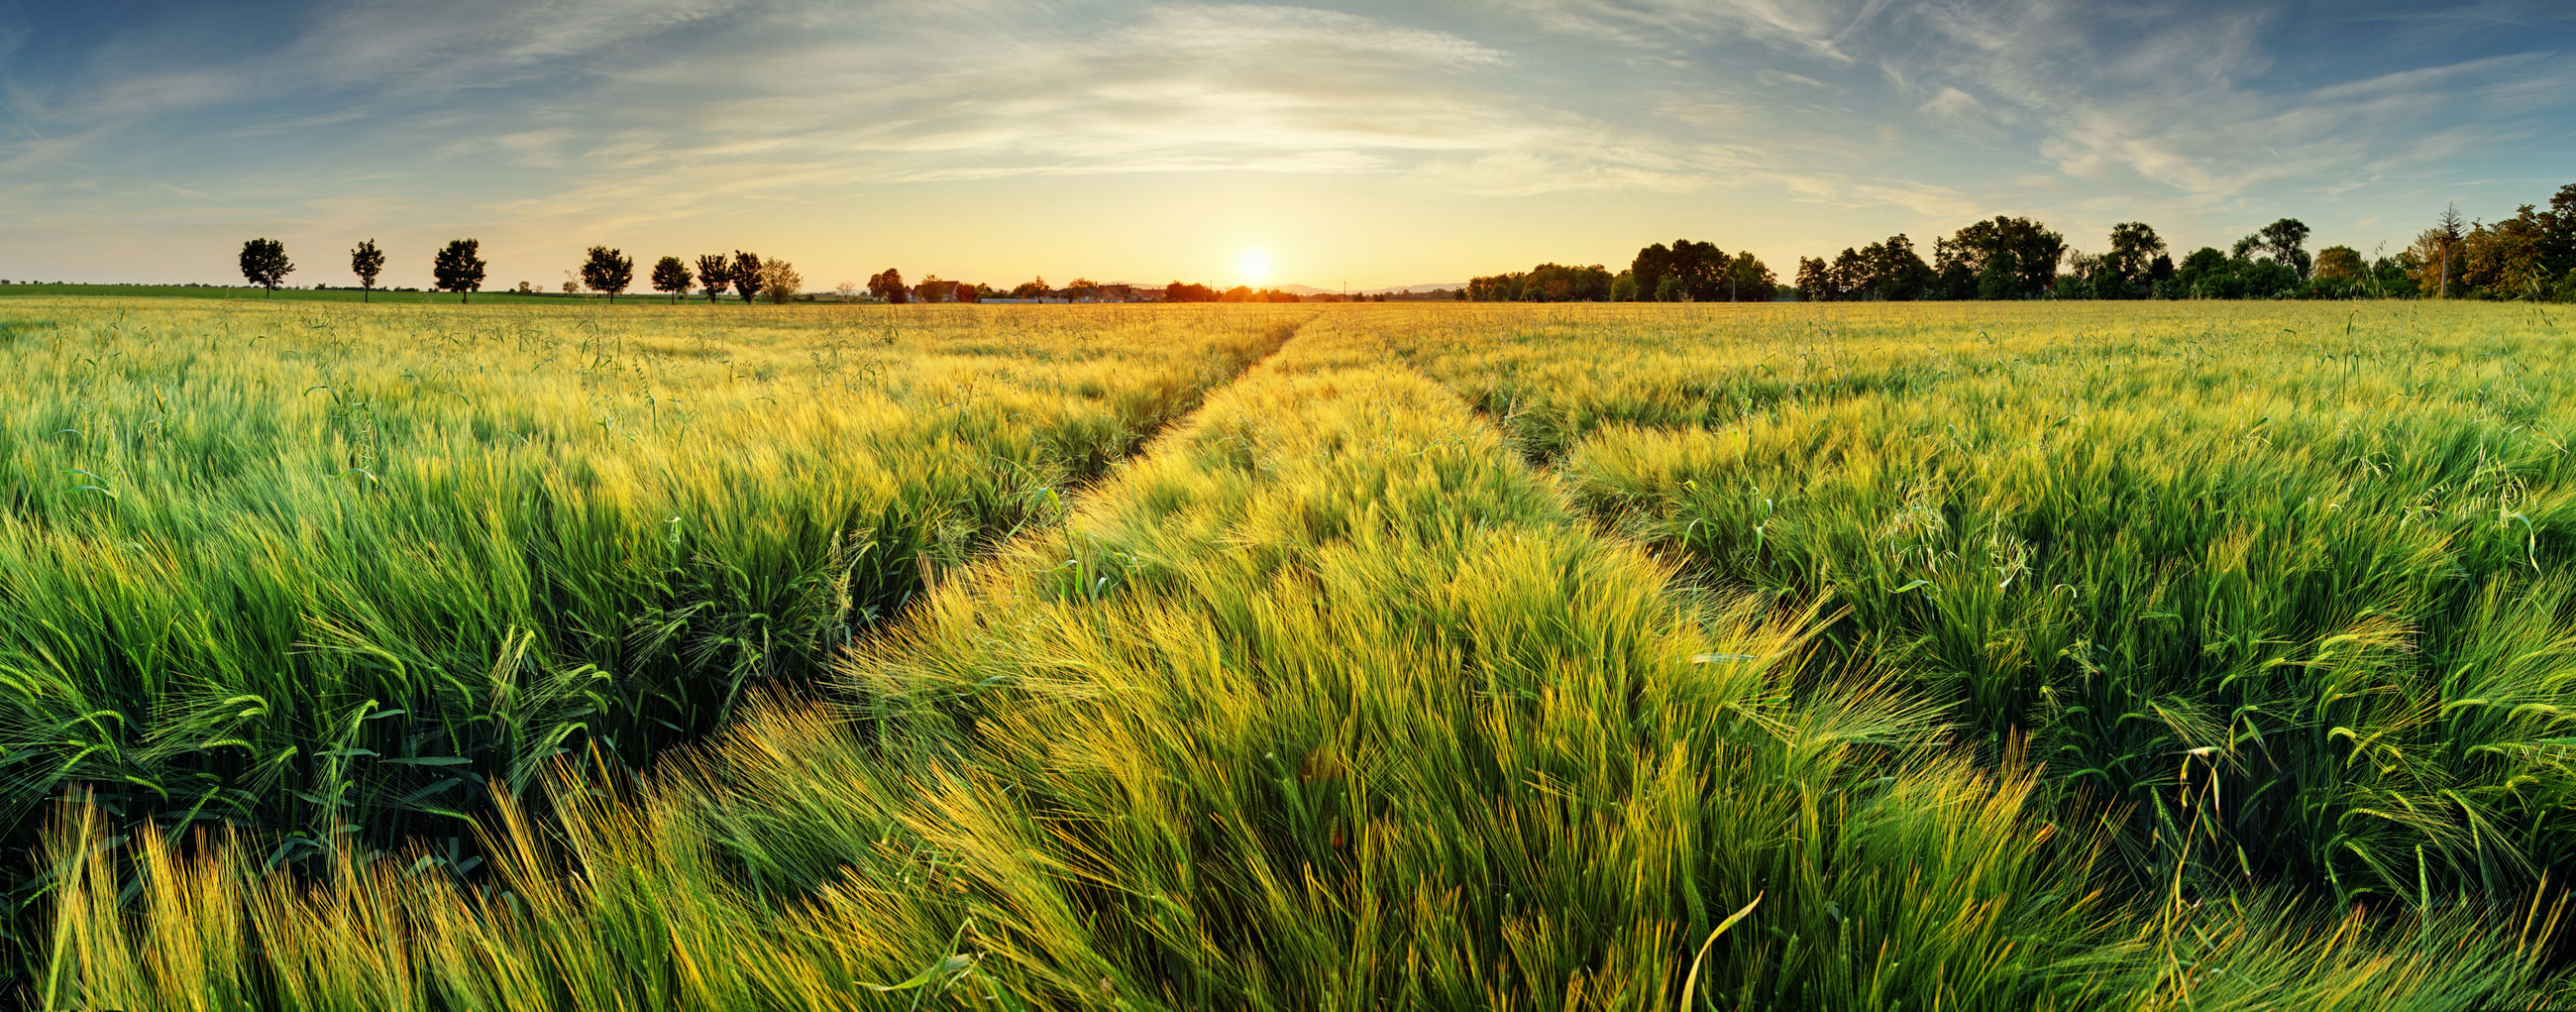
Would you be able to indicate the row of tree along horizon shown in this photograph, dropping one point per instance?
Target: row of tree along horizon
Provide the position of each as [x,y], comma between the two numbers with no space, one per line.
[459,268]
[2531,255]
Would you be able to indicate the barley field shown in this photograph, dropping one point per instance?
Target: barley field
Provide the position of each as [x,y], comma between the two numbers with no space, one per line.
[1972,656]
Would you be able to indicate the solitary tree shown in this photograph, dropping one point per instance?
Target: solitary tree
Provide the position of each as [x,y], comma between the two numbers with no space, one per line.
[670,275]
[366,261]
[458,269]
[746,275]
[715,272]
[779,280]
[608,270]
[264,263]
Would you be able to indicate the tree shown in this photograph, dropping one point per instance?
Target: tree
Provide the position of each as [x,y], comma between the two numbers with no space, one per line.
[780,280]
[1650,267]
[888,284]
[1671,289]
[670,275]
[1180,292]
[1964,261]
[2339,263]
[2001,278]
[1889,271]
[2284,241]
[2127,271]
[746,275]
[2436,253]
[608,270]
[1036,288]
[1748,280]
[264,263]
[366,261]
[1700,266]
[1849,275]
[1624,287]
[715,272]
[2205,274]
[2444,255]
[459,268]
[1814,281]
[2504,260]
[2558,231]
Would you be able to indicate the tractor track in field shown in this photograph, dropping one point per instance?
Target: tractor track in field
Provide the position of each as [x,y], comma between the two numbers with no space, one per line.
[1144,444]
[1147,443]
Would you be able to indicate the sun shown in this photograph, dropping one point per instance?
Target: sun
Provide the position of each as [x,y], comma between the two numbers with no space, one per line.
[1254,266]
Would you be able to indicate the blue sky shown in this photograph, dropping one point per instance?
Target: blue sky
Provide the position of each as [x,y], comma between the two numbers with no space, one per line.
[1373,144]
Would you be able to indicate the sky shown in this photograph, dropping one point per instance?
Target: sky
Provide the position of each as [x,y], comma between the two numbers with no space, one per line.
[1380,144]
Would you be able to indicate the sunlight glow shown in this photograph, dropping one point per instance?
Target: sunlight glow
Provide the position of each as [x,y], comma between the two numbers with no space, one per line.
[1255,266]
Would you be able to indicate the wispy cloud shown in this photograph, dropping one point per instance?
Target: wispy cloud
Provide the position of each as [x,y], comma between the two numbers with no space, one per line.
[552,112]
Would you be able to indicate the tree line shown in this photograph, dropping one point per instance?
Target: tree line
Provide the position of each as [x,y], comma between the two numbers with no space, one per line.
[458,267]
[2531,255]
[1686,271]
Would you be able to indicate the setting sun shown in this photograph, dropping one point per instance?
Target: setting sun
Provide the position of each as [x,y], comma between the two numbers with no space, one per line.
[1254,266]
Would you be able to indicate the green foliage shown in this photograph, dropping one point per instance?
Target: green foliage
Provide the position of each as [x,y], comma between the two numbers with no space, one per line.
[1888,271]
[607,270]
[671,275]
[366,261]
[264,263]
[745,275]
[715,271]
[1545,283]
[2003,258]
[459,268]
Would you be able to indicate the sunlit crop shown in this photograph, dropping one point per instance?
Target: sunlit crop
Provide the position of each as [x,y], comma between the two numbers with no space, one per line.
[1354,657]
